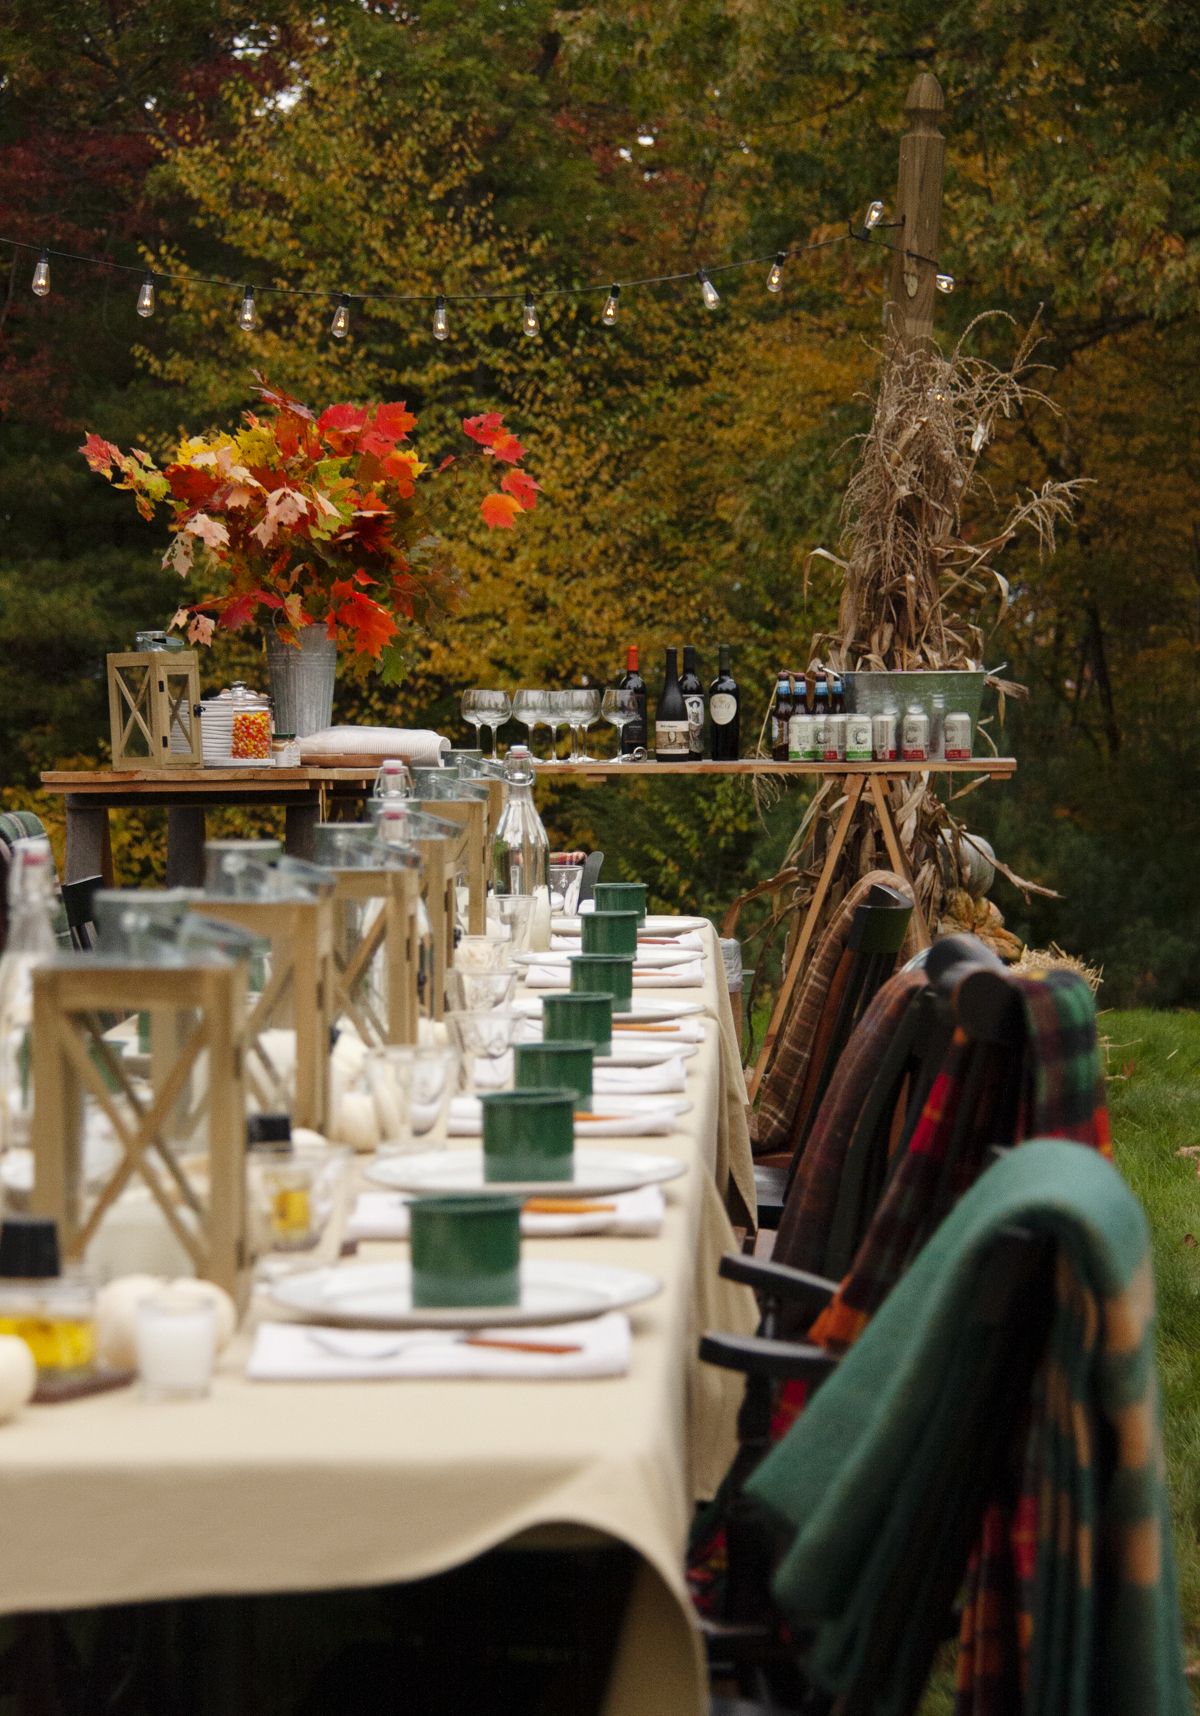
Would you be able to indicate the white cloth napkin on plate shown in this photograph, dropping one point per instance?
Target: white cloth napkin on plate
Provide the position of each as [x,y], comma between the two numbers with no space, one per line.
[292,1352]
[689,976]
[384,1216]
[466,1121]
[418,745]
[648,945]
[663,1077]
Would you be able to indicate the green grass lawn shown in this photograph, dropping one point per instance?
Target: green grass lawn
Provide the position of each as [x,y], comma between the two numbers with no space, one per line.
[1154,1101]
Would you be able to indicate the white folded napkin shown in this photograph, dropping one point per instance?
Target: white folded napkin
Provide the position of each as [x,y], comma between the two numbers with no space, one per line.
[384,1216]
[563,949]
[638,1081]
[691,941]
[418,745]
[689,976]
[645,1121]
[292,1352]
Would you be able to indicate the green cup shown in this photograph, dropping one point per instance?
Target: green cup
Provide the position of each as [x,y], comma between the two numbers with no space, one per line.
[597,972]
[579,1019]
[529,1134]
[609,932]
[560,1064]
[621,897]
[465,1250]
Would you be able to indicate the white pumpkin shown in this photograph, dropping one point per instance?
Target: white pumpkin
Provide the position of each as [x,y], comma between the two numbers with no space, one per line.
[18,1376]
[116,1318]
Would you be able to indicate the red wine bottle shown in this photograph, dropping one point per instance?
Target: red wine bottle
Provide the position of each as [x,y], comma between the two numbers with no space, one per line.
[671,719]
[693,701]
[724,709]
[634,733]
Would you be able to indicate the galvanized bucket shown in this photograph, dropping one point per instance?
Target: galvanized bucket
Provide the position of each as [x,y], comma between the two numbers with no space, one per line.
[938,694]
[302,681]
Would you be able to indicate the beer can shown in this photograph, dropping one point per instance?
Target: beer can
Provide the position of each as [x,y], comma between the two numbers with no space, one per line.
[801,738]
[858,738]
[883,738]
[820,736]
[835,739]
[958,737]
[914,736]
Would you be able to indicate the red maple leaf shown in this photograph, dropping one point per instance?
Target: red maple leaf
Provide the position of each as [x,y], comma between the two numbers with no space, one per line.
[100,454]
[370,626]
[507,447]
[484,427]
[522,487]
[499,511]
[394,420]
[278,399]
[192,484]
[341,425]
[446,463]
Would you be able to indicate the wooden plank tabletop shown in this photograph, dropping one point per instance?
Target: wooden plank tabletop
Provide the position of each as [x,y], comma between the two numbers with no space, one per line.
[234,782]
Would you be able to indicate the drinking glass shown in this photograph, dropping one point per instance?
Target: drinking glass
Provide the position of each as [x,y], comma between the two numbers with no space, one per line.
[620,708]
[515,914]
[476,991]
[558,714]
[484,1042]
[532,709]
[486,709]
[417,1081]
[582,709]
[298,1205]
[482,953]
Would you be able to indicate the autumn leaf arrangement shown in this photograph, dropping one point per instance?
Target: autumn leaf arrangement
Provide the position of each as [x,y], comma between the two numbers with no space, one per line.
[327,520]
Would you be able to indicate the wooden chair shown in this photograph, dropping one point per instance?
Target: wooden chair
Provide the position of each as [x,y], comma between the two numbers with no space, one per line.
[876,936]
[77,899]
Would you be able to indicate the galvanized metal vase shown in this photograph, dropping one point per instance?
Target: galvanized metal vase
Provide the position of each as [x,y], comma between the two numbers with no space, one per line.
[302,681]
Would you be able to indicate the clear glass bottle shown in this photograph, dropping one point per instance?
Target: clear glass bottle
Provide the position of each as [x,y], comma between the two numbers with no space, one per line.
[520,849]
[30,943]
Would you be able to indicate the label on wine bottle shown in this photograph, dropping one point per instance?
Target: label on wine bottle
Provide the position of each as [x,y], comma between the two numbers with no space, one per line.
[695,715]
[671,738]
[722,707]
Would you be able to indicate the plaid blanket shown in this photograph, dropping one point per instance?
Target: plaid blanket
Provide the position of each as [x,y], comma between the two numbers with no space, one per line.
[773,1124]
[861,1476]
[1064,1095]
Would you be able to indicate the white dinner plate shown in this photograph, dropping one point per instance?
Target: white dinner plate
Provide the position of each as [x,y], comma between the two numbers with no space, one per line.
[654,925]
[379,1296]
[617,1116]
[597,1173]
[633,1051]
[644,1011]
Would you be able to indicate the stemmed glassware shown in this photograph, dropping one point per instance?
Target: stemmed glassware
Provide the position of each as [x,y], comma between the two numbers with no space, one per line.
[620,708]
[582,709]
[532,709]
[558,715]
[487,709]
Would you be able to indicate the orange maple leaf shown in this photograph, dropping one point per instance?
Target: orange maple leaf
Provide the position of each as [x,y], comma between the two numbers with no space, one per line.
[522,487]
[499,511]
[506,447]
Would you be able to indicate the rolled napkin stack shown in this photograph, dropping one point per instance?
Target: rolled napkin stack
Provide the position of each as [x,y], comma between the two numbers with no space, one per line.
[639,1214]
[689,976]
[293,1352]
[420,746]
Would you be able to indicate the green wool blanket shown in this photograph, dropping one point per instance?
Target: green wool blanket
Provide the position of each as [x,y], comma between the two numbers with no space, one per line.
[860,1485]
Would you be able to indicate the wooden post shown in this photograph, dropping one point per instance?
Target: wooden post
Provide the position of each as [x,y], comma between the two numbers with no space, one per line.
[919,210]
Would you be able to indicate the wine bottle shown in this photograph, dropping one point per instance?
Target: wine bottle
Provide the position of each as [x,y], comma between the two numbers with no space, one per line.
[634,733]
[781,717]
[671,719]
[693,701]
[724,710]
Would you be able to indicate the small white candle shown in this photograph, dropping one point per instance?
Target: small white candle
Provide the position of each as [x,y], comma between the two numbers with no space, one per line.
[176,1345]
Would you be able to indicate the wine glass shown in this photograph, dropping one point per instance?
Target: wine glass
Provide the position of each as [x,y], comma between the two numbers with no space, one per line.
[531,709]
[558,714]
[582,709]
[486,709]
[620,708]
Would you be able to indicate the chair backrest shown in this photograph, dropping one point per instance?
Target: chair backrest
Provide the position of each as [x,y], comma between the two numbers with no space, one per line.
[77,899]
[592,865]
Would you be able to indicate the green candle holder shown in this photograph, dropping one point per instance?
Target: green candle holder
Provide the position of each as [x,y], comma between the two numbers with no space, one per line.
[597,972]
[621,897]
[465,1250]
[528,1134]
[609,932]
[549,1064]
[579,1019]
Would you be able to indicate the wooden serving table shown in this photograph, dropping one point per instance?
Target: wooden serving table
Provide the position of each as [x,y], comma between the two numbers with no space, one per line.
[89,794]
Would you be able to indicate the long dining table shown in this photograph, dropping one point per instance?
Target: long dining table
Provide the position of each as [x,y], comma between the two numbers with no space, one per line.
[326,1485]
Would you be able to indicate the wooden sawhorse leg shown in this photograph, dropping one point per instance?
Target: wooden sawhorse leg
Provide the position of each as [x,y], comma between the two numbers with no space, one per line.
[891,839]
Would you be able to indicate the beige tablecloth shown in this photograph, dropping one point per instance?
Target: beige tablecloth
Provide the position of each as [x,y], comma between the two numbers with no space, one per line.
[286,1486]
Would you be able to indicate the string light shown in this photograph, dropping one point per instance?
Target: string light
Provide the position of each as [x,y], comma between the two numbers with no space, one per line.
[247,315]
[440,328]
[609,313]
[775,277]
[145,298]
[529,321]
[41,275]
[707,290]
[945,283]
[340,325]
[874,216]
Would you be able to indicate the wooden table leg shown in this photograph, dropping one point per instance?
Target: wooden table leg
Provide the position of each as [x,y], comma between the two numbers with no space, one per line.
[299,829]
[89,849]
[854,790]
[891,839]
[185,846]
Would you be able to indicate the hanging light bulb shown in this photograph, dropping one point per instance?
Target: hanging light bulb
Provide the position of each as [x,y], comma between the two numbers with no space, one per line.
[707,290]
[247,315]
[145,301]
[775,277]
[441,328]
[609,313]
[340,325]
[529,321]
[945,283]
[874,216]
[41,275]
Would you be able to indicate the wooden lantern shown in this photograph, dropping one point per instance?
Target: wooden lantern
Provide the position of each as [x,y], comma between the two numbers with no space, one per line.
[468,857]
[393,937]
[299,996]
[154,709]
[195,1171]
